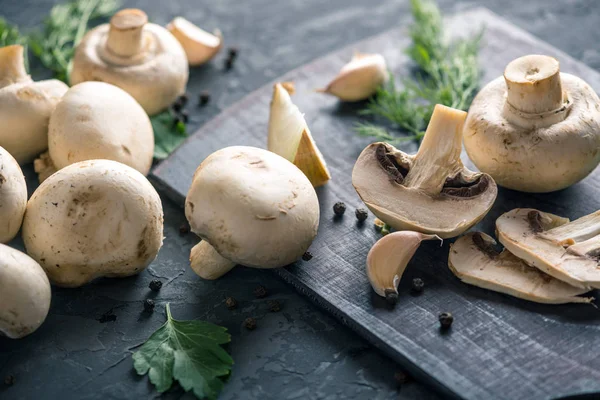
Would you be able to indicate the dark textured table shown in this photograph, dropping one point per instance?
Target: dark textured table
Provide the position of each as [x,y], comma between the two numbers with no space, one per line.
[299,352]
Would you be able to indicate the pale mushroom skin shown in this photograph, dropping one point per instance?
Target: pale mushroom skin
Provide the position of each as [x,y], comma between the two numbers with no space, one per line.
[24,294]
[95,120]
[92,219]
[474,260]
[429,192]
[25,106]
[13,196]
[534,131]
[250,207]
[524,231]
[142,58]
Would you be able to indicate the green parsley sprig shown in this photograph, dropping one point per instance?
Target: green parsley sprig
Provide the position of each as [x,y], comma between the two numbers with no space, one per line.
[448,74]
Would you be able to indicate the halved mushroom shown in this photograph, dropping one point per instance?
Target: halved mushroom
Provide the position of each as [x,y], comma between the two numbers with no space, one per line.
[13,196]
[534,129]
[24,293]
[199,45]
[431,191]
[25,106]
[142,58]
[290,137]
[566,250]
[250,207]
[474,260]
[95,120]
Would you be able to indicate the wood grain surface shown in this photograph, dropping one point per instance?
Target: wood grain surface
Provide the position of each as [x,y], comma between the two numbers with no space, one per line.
[498,347]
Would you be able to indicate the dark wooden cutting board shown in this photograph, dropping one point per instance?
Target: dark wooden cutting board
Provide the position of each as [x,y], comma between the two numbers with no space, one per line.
[498,347]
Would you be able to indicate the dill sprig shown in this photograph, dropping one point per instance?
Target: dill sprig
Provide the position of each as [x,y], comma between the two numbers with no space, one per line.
[63,29]
[448,74]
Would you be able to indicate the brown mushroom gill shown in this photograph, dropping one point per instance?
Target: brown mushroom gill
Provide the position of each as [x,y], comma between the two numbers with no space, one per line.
[429,192]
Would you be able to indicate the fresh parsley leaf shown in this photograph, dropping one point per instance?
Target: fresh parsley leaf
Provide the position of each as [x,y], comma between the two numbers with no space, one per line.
[448,74]
[62,31]
[189,352]
[169,133]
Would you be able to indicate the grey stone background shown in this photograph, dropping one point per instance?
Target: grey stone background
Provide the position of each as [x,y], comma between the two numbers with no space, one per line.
[300,352]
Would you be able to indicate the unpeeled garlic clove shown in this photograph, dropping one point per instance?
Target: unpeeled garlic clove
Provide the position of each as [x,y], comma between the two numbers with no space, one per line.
[359,79]
[388,259]
[290,137]
[199,45]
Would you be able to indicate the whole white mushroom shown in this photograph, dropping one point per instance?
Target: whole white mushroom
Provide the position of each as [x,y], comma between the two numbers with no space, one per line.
[96,120]
[534,129]
[13,196]
[142,58]
[25,106]
[97,218]
[250,207]
[24,293]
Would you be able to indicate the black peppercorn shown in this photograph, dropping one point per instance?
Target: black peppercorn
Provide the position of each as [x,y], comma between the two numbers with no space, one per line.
[176,107]
[418,285]
[274,306]
[391,296]
[250,323]
[184,116]
[149,305]
[260,292]
[182,100]
[307,256]
[339,208]
[230,303]
[155,285]
[228,64]
[184,229]
[361,214]
[232,52]
[446,320]
[204,98]
[9,380]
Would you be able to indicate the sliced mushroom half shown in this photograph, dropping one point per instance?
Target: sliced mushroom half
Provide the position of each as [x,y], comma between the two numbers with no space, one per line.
[431,191]
[566,250]
[474,260]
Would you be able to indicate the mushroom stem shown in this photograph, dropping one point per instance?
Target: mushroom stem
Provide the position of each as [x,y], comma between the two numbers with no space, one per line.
[126,32]
[12,66]
[534,91]
[439,154]
[208,263]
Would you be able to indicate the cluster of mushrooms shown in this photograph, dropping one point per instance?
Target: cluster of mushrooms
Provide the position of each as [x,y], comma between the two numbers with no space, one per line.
[94,213]
[534,130]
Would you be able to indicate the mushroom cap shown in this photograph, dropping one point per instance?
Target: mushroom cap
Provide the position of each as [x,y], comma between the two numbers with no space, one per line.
[13,196]
[155,79]
[24,293]
[91,219]
[25,109]
[95,120]
[538,159]
[406,208]
[253,206]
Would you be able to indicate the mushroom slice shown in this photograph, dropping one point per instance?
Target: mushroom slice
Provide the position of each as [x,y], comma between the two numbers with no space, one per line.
[536,237]
[290,137]
[250,207]
[431,191]
[388,259]
[199,45]
[142,58]
[474,260]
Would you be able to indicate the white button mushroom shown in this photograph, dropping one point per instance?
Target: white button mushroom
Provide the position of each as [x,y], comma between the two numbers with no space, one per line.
[13,196]
[24,293]
[142,58]
[93,219]
[250,207]
[535,129]
[25,106]
[95,120]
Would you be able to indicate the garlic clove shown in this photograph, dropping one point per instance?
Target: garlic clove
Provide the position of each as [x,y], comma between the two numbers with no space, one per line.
[200,46]
[388,259]
[359,79]
[290,137]
[475,261]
